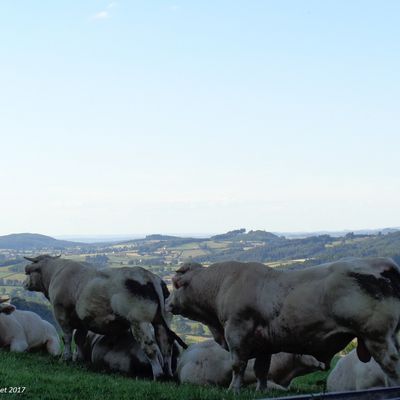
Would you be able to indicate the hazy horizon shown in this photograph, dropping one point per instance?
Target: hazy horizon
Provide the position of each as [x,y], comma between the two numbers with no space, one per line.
[167,116]
[128,236]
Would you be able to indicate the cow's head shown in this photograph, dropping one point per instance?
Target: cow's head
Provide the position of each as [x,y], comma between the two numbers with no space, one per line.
[34,273]
[178,299]
[184,274]
[6,308]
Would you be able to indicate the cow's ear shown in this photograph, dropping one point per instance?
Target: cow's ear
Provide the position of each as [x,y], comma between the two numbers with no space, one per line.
[183,269]
[7,309]
[178,282]
[190,266]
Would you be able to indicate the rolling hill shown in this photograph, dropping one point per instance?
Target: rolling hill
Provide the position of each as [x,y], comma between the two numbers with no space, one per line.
[34,241]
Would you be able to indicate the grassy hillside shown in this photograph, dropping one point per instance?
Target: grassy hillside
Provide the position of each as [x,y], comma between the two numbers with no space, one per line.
[48,379]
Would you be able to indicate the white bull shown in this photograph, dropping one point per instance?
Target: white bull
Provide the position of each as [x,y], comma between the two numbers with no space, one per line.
[109,301]
[256,311]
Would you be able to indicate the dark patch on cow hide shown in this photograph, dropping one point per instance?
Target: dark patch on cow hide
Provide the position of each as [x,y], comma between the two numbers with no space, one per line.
[394,277]
[147,291]
[115,327]
[379,288]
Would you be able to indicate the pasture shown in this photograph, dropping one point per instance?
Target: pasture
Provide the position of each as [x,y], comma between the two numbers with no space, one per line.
[48,379]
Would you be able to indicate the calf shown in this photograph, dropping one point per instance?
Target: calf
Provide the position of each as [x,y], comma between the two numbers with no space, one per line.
[352,374]
[25,330]
[107,301]
[207,363]
[257,311]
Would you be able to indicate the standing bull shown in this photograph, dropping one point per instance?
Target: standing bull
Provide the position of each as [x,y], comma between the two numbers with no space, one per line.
[107,301]
[257,311]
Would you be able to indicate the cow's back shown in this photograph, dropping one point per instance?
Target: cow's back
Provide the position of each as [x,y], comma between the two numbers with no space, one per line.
[205,364]
[112,296]
[35,328]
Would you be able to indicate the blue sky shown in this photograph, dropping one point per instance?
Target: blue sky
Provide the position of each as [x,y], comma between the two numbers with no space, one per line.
[198,116]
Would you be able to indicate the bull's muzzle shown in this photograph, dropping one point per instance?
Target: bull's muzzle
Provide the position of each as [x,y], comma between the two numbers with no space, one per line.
[25,284]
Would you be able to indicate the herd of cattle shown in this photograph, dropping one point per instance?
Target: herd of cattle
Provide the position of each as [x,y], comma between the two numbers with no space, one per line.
[269,326]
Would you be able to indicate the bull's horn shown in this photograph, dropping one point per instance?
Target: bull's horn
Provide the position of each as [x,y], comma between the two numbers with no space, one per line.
[40,258]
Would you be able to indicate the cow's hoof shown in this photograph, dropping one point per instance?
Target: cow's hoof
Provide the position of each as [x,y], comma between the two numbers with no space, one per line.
[234,389]
[65,358]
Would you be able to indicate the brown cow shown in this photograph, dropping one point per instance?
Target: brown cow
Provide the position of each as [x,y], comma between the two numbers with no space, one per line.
[258,311]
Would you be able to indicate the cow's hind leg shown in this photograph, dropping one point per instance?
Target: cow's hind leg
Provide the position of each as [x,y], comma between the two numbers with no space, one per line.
[261,368]
[239,365]
[165,345]
[143,332]
[235,335]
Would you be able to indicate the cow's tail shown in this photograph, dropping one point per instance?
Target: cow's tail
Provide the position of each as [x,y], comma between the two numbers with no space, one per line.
[163,293]
[173,335]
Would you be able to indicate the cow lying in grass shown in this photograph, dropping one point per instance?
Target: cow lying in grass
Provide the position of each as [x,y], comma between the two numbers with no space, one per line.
[25,330]
[207,363]
[256,311]
[352,374]
[120,353]
[107,301]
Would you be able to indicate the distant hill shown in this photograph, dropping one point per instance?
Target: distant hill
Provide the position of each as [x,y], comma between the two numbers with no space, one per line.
[161,237]
[312,250]
[34,241]
[240,234]
[299,235]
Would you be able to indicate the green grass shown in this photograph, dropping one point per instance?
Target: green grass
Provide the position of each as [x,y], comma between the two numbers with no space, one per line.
[46,378]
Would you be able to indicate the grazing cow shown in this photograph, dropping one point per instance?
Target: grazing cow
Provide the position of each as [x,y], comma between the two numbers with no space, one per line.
[120,353]
[352,374]
[207,363]
[257,311]
[106,301]
[25,330]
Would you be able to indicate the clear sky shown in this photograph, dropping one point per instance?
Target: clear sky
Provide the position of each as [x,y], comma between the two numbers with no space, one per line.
[199,116]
